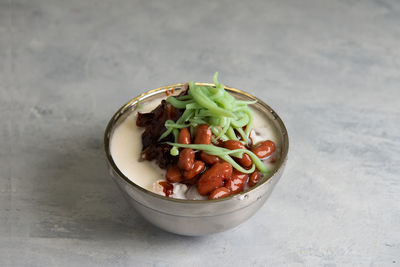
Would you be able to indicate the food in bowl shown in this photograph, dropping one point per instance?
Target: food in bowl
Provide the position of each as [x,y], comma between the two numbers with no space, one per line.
[200,144]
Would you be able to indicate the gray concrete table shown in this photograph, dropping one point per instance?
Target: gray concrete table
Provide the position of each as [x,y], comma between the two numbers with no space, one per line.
[331,69]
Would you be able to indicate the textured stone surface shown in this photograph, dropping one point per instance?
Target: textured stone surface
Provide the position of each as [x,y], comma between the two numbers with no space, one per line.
[331,69]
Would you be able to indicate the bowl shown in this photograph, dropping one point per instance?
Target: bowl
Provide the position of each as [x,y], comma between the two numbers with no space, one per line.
[196,217]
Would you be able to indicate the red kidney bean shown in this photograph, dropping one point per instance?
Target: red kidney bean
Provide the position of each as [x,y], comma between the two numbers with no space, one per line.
[254,178]
[245,161]
[198,167]
[174,175]
[218,142]
[237,182]
[184,136]
[263,149]
[213,178]
[209,159]
[225,170]
[203,135]
[186,159]
[219,193]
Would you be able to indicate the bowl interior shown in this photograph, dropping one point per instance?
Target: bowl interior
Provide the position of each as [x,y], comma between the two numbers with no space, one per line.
[162,93]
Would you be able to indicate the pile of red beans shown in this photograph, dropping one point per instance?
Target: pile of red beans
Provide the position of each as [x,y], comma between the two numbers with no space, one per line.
[214,177]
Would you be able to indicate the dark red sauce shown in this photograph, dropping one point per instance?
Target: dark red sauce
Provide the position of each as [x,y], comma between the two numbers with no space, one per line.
[168,188]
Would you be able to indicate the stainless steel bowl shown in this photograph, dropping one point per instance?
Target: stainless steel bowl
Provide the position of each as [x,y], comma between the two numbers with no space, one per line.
[196,217]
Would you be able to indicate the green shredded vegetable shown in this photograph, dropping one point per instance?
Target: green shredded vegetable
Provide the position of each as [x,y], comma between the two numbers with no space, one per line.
[225,153]
[225,115]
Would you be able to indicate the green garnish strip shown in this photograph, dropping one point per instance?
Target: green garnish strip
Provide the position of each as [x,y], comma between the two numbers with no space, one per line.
[222,112]
[215,107]
[225,153]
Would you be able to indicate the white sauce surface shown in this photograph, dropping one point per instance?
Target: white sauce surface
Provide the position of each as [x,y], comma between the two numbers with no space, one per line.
[126,145]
